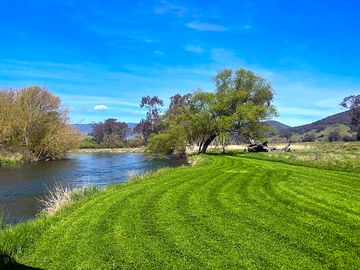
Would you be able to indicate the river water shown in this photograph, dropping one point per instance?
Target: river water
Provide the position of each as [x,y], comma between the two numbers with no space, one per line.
[22,187]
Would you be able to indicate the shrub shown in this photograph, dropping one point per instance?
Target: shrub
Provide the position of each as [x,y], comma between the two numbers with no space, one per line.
[309,138]
[89,143]
[334,136]
[137,142]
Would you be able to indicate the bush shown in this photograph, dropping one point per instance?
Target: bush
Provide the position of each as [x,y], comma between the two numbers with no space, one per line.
[137,142]
[309,138]
[334,136]
[89,143]
[112,141]
[171,143]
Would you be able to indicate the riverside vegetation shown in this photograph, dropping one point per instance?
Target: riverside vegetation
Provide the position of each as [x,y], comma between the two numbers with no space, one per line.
[227,211]
[33,126]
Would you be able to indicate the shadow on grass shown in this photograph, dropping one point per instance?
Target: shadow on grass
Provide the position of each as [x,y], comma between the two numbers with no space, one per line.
[6,262]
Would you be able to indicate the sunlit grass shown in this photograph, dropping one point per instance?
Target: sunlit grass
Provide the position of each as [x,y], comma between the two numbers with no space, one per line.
[226,212]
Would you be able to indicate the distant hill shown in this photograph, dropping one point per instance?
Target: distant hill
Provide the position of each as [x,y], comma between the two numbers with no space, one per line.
[339,122]
[343,118]
[278,126]
[87,129]
[83,128]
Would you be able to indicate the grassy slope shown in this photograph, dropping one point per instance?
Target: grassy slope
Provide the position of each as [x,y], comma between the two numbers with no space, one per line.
[227,212]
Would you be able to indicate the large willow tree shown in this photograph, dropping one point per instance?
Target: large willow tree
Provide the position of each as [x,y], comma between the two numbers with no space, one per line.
[240,102]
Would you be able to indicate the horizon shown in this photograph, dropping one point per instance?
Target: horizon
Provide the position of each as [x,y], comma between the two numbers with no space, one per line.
[101,58]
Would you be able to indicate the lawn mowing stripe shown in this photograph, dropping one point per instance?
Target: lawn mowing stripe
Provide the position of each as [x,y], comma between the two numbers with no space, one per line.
[226,212]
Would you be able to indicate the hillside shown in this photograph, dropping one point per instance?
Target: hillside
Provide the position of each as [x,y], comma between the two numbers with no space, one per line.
[343,118]
[277,125]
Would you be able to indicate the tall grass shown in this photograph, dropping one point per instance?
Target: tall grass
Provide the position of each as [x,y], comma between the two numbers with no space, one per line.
[60,196]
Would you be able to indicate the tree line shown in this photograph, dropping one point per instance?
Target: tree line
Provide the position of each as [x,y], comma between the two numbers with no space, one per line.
[33,123]
[240,103]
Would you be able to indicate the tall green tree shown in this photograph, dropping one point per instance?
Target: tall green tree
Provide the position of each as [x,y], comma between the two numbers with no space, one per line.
[240,102]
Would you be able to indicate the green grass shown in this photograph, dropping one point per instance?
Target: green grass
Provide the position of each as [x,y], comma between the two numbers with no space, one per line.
[225,212]
[342,156]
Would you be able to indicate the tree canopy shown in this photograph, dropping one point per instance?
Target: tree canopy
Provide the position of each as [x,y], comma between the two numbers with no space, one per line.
[111,133]
[240,102]
[152,123]
[33,122]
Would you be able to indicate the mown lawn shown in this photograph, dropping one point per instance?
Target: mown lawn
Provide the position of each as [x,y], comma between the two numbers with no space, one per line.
[226,212]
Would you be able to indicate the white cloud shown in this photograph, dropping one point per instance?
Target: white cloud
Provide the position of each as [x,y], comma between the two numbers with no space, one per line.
[194,48]
[101,108]
[206,27]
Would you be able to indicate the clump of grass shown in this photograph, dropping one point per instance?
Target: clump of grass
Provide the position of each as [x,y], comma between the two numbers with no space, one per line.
[132,174]
[60,196]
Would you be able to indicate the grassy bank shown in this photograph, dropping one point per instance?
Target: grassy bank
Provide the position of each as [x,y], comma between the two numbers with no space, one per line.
[225,212]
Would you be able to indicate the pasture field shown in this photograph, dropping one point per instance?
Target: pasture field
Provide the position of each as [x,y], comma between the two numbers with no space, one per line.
[342,156]
[226,212]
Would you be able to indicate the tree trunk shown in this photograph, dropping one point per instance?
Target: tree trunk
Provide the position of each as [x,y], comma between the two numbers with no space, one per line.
[207,143]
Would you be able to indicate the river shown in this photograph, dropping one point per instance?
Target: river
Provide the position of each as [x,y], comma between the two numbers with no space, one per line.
[21,187]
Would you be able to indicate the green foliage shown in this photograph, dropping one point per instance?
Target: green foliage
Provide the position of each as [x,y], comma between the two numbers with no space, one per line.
[171,142]
[240,102]
[83,192]
[228,212]
[89,143]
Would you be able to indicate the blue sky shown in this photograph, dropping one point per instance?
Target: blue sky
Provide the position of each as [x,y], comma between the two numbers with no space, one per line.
[101,57]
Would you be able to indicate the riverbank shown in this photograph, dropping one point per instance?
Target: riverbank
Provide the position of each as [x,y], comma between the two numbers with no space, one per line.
[7,159]
[14,159]
[111,150]
[224,212]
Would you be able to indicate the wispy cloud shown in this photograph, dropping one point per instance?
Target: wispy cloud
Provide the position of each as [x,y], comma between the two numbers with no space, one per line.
[170,7]
[101,108]
[91,100]
[208,27]
[159,53]
[194,48]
